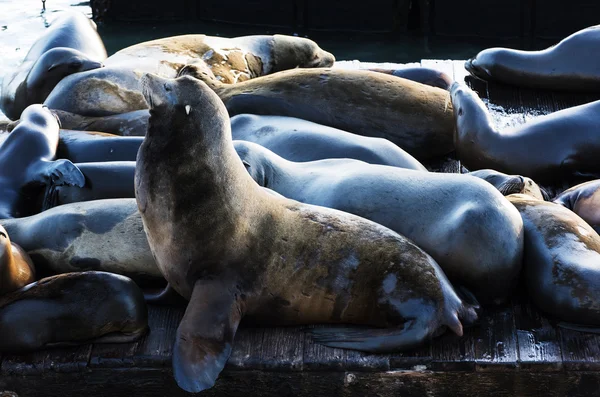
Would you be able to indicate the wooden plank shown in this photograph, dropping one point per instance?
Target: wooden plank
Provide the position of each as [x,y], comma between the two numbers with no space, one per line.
[580,351]
[538,342]
[156,348]
[319,357]
[283,348]
[247,346]
[495,340]
[451,353]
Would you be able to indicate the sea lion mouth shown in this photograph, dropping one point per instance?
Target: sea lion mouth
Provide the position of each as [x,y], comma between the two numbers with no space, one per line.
[476,70]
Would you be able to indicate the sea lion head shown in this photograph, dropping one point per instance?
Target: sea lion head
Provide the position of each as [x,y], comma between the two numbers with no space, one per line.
[37,115]
[486,63]
[291,52]
[254,160]
[53,66]
[510,184]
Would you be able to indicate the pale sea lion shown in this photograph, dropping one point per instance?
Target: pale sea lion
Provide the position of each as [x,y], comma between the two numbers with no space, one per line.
[584,200]
[27,166]
[562,261]
[416,117]
[237,251]
[102,235]
[550,149]
[511,184]
[72,309]
[70,45]
[16,268]
[229,60]
[300,140]
[472,232]
[564,66]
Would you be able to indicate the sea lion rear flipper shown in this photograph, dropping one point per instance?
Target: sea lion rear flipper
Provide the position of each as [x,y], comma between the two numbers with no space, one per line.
[166,296]
[580,328]
[205,336]
[372,340]
[60,173]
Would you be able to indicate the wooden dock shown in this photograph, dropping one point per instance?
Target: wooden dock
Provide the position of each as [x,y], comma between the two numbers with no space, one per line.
[514,351]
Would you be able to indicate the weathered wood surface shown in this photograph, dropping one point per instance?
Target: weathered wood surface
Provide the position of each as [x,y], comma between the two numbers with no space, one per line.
[514,351]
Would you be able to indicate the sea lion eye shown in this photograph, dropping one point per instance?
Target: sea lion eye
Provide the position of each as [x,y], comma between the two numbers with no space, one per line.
[167,88]
[75,64]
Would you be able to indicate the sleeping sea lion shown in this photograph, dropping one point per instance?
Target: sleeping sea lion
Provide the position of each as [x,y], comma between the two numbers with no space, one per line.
[16,268]
[511,184]
[584,200]
[235,251]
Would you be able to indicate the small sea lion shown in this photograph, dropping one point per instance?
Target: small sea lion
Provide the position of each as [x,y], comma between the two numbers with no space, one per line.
[72,309]
[92,147]
[27,163]
[550,149]
[229,60]
[584,200]
[472,232]
[70,45]
[235,251]
[16,268]
[562,261]
[300,140]
[511,184]
[104,235]
[564,66]
[427,76]
[416,117]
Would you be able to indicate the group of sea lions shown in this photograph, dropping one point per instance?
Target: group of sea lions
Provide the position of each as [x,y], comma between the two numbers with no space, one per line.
[254,180]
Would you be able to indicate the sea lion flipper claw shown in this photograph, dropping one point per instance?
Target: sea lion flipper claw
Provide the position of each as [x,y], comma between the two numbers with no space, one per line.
[372,340]
[63,172]
[205,335]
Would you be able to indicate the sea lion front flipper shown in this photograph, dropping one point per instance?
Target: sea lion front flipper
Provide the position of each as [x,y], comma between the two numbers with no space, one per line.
[166,296]
[580,328]
[372,340]
[59,173]
[205,335]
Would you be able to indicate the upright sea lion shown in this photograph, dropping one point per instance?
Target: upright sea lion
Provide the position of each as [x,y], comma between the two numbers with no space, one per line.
[27,166]
[124,124]
[549,149]
[105,235]
[300,140]
[511,184]
[427,76]
[471,231]
[584,200]
[105,180]
[72,309]
[564,66]
[562,261]
[237,251]
[83,147]
[16,268]
[416,117]
[229,60]
[70,45]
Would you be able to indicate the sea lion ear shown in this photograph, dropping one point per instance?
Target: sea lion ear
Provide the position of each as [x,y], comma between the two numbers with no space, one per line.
[188,108]
[246,164]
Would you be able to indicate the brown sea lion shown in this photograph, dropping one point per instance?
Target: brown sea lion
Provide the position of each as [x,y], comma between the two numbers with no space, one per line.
[426,76]
[130,124]
[237,251]
[72,309]
[550,149]
[70,45]
[562,262]
[568,65]
[511,184]
[27,163]
[16,267]
[584,200]
[416,117]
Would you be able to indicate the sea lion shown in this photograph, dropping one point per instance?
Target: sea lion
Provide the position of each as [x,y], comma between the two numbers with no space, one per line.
[300,140]
[511,184]
[229,60]
[234,250]
[27,166]
[70,45]
[564,66]
[471,231]
[16,268]
[105,180]
[91,147]
[550,149]
[72,309]
[426,76]
[562,261]
[128,124]
[416,117]
[102,235]
[584,200]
